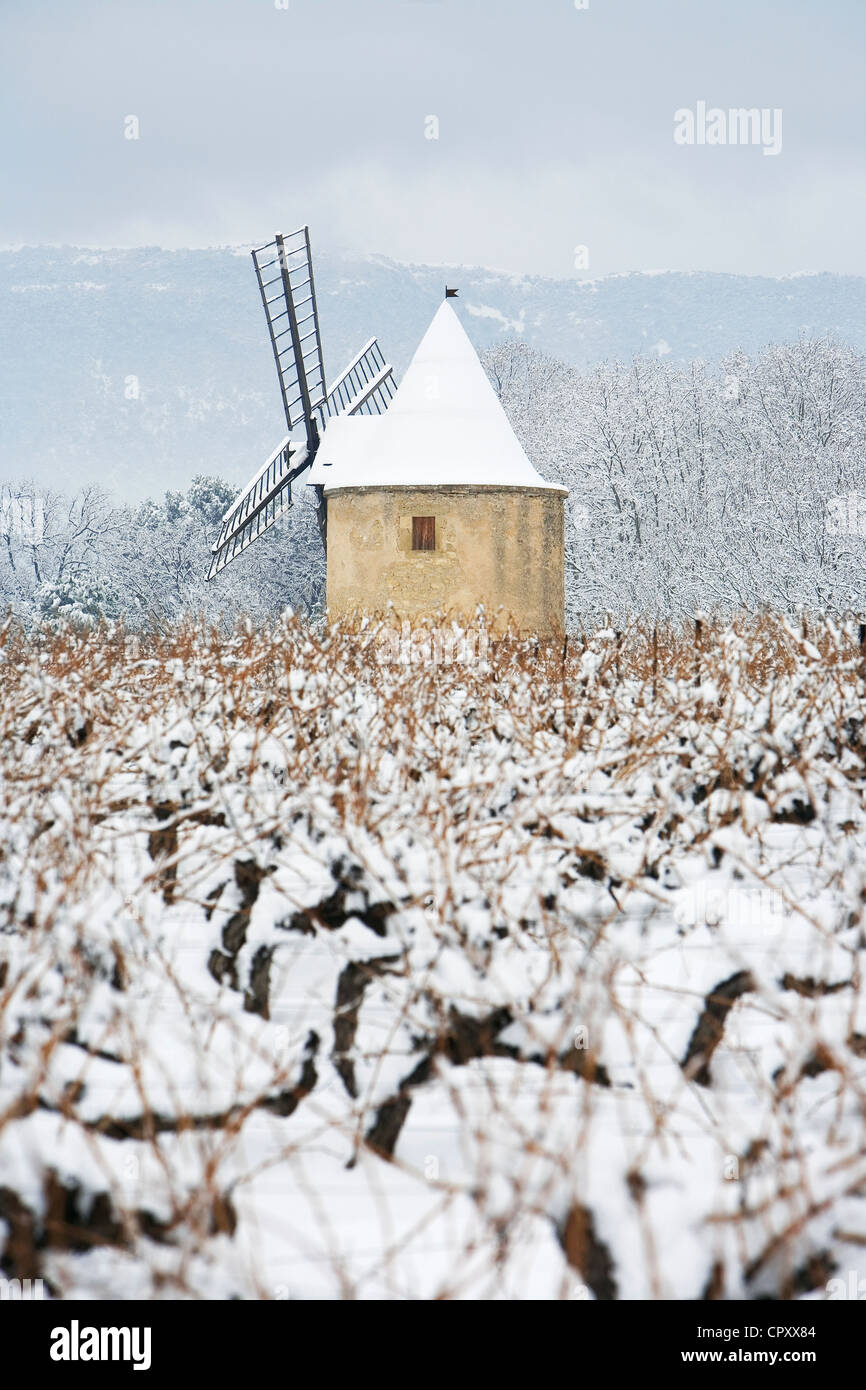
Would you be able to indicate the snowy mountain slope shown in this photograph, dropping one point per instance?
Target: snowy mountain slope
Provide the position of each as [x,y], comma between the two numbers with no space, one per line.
[138,369]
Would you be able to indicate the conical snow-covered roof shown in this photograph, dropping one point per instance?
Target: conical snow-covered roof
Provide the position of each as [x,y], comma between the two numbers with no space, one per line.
[444,426]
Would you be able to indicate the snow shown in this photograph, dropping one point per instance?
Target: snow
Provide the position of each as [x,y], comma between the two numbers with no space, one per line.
[74,285]
[487,311]
[419,854]
[445,426]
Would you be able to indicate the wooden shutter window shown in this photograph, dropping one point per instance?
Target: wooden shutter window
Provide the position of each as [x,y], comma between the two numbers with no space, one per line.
[423,533]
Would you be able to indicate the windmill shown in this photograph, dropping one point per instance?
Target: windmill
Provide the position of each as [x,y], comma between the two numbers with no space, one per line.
[284,271]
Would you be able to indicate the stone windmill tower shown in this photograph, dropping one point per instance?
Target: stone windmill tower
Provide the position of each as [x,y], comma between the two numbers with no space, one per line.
[427,499]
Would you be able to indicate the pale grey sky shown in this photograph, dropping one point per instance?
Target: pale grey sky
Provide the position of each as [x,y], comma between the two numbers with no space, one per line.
[555,129]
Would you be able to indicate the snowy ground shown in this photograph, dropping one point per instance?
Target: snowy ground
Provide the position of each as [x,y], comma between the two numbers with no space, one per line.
[328,975]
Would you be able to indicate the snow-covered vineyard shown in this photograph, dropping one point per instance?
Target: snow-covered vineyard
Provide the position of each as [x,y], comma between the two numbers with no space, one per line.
[329,972]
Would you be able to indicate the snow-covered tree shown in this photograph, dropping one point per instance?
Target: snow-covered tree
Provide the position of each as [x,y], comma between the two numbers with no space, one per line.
[731,486]
[702,487]
[164,552]
[82,600]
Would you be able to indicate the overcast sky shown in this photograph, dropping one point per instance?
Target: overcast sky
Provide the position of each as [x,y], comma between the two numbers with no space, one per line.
[555,129]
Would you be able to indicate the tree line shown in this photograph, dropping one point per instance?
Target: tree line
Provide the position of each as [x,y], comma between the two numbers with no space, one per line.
[706,487]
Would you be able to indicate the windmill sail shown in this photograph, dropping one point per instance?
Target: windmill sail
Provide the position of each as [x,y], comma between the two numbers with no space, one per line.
[265,498]
[365,387]
[284,270]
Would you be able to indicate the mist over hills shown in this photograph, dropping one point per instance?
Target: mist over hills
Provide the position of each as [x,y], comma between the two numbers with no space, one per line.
[136,369]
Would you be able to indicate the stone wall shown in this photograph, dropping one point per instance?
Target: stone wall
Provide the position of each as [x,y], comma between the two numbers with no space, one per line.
[503,547]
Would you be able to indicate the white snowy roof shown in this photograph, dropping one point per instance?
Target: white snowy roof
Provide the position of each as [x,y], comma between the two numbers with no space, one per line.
[445,425]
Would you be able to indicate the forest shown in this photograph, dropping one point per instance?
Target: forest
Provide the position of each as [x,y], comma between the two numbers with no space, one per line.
[727,487]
